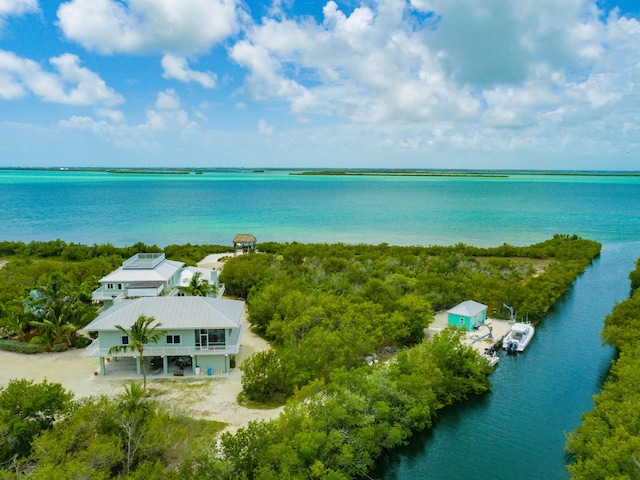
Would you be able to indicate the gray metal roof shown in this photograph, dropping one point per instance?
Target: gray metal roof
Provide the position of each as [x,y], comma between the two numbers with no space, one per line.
[161,273]
[469,308]
[173,313]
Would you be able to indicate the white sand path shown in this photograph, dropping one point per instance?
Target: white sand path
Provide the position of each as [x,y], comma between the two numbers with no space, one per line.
[205,397]
[215,260]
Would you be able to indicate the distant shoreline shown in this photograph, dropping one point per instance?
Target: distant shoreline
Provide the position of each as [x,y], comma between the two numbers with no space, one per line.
[397,174]
[150,172]
[355,172]
[465,173]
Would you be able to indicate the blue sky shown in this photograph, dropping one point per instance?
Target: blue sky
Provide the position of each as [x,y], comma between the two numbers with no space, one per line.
[388,83]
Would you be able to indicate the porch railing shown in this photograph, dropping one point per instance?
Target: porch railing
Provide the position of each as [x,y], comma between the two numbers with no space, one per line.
[94,350]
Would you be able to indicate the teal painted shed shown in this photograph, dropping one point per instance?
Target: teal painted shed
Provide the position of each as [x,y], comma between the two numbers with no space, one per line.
[467,315]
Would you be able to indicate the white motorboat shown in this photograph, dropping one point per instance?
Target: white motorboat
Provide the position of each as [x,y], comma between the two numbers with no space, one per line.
[518,337]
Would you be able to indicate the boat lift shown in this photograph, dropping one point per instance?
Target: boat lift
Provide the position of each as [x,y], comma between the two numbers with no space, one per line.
[512,317]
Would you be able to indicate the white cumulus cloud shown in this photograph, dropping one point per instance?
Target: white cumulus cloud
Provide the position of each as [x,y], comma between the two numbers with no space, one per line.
[266,78]
[168,100]
[113,116]
[264,128]
[17,7]
[176,67]
[497,64]
[71,83]
[369,66]
[419,77]
[140,26]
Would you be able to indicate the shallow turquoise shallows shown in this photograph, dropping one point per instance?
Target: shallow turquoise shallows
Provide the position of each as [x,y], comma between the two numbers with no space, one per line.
[516,431]
[101,207]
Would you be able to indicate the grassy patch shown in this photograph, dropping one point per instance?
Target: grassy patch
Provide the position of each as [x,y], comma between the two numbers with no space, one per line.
[242,400]
[185,393]
[186,383]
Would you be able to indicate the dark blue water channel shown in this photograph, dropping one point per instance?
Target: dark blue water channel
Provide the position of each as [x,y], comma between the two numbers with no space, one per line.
[519,429]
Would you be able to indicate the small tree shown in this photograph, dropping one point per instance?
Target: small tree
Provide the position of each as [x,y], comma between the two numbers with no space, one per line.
[140,334]
[26,409]
[264,379]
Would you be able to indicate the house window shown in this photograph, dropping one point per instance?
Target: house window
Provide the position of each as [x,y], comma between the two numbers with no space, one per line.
[216,337]
[173,339]
[110,286]
[119,286]
[125,339]
[462,321]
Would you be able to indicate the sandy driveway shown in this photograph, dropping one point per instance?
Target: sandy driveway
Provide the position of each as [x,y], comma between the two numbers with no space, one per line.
[207,397]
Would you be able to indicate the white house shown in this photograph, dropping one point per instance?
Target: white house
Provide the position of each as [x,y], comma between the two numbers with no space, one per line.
[201,332]
[143,275]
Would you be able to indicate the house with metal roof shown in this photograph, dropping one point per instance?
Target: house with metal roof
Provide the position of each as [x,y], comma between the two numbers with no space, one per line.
[468,315]
[201,333]
[143,275]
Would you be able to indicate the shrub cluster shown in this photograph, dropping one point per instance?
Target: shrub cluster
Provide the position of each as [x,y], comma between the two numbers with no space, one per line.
[20,347]
[46,435]
[78,252]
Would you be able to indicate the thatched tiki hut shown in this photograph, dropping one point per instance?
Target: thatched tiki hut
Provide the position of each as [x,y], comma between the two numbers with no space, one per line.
[244,243]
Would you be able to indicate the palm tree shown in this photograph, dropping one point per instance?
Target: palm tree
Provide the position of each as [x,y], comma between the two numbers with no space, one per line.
[132,398]
[50,332]
[140,334]
[56,311]
[198,287]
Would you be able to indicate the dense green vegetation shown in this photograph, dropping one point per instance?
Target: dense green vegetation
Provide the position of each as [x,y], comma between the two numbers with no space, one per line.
[190,254]
[27,409]
[332,430]
[50,436]
[329,311]
[337,429]
[607,444]
[327,306]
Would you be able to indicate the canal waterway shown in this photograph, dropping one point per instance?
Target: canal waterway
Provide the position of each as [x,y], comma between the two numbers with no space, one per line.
[519,429]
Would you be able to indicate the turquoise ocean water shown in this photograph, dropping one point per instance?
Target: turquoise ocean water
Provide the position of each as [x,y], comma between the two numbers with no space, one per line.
[518,429]
[211,208]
